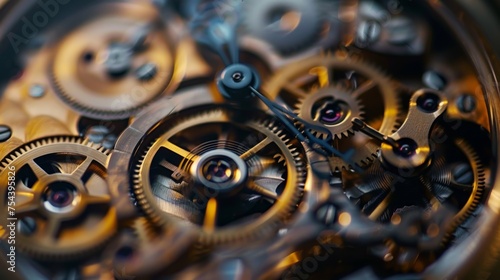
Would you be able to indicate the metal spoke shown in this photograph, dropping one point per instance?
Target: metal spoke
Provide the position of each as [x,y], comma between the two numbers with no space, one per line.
[39,172]
[93,199]
[255,149]
[210,220]
[82,168]
[52,228]
[366,86]
[381,207]
[263,191]
[179,150]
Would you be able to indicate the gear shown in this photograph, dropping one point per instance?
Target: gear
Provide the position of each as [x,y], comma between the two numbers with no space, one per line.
[333,107]
[124,63]
[61,198]
[288,25]
[332,91]
[234,180]
[456,178]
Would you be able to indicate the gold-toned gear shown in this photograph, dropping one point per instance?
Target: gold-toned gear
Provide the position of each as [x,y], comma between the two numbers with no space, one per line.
[115,64]
[215,169]
[59,196]
[339,107]
[331,91]
[457,178]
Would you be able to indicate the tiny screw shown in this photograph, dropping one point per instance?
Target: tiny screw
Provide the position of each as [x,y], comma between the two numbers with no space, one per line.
[434,80]
[326,214]
[5,133]
[37,91]
[146,72]
[237,77]
[368,33]
[466,103]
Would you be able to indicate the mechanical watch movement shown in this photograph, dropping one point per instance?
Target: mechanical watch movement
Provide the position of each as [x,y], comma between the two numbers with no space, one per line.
[249,139]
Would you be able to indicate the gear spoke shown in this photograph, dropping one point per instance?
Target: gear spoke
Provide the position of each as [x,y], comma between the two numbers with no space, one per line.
[52,228]
[82,168]
[210,220]
[179,150]
[39,172]
[262,190]
[97,200]
[255,149]
[365,87]
[28,207]
[381,207]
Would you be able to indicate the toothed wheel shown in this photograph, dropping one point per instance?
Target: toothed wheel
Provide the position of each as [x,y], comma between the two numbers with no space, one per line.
[115,63]
[333,107]
[331,91]
[62,202]
[454,178]
[233,176]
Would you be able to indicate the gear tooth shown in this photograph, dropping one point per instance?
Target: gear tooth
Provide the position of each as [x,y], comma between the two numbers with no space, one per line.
[26,245]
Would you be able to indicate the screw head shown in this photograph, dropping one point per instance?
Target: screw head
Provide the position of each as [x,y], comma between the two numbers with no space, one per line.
[37,91]
[368,33]
[146,72]
[5,133]
[434,80]
[466,103]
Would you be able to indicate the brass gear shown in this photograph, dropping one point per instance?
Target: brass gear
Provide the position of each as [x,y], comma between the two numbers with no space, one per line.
[341,125]
[364,90]
[62,202]
[100,77]
[175,196]
[377,192]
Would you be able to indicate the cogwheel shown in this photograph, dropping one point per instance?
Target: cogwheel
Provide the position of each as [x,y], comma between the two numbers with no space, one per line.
[62,202]
[332,107]
[331,91]
[233,181]
[124,64]
[288,25]
[456,178]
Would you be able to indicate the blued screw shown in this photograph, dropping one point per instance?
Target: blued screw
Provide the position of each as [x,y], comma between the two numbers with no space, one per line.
[326,214]
[434,80]
[368,32]
[146,72]
[5,133]
[466,103]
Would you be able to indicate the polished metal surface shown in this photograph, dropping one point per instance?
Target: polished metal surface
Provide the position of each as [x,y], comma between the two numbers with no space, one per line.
[224,139]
